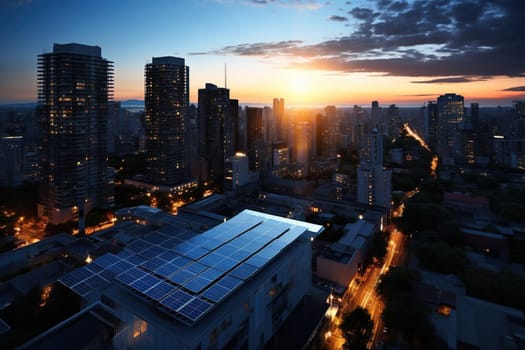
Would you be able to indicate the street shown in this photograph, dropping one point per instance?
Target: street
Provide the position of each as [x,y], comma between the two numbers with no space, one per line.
[363,293]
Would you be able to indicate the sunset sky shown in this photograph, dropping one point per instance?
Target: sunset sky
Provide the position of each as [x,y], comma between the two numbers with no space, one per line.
[309,52]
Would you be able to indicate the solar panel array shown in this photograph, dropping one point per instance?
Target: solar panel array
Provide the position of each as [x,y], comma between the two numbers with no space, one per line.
[185,274]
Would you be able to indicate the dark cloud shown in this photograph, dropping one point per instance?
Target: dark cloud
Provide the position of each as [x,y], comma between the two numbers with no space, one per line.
[338,18]
[362,13]
[257,49]
[448,80]
[462,39]
[516,88]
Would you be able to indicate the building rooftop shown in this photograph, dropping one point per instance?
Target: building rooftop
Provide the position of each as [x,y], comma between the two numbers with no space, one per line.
[186,274]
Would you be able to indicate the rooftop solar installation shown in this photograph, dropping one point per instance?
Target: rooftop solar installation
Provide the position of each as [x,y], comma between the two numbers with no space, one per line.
[186,274]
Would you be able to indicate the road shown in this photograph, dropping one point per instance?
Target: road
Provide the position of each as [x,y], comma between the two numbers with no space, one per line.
[363,293]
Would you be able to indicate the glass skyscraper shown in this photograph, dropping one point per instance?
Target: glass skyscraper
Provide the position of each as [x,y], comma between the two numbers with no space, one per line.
[166,104]
[75,85]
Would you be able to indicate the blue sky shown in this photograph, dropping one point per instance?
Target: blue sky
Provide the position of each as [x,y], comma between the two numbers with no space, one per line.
[343,52]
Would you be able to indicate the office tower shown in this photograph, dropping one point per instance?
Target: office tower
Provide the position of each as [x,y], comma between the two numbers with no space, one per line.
[75,85]
[431,124]
[374,184]
[280,120]
[236,127]
[254,137]
[166,102]
[321,136]
[334,129]
[393,122]
[375,115]
[303,146]
[280,154]
[451,113]
[215,130]
[11,160]
[474,116]
[236,173]
[373,150]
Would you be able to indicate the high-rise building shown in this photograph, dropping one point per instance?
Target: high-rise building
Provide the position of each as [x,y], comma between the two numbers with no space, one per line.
[236,173]
[236,127]
[303,146]
[321,136]
[431,124]
[11,160]
[75,85]
[373,151]
[280,154]
[374,184]
[215,130]
[255,137]
[451,112]
[280,121]
[166,102]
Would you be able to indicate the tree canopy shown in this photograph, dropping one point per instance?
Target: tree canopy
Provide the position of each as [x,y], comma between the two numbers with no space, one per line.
[357,327]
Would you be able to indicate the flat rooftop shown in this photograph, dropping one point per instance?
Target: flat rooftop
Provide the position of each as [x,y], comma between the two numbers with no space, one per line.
[186,274]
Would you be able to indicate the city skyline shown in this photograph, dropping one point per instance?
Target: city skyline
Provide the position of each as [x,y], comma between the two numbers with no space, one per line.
[309,52]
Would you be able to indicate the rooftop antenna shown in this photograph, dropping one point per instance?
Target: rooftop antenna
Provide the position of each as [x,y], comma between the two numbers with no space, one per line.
[225,76]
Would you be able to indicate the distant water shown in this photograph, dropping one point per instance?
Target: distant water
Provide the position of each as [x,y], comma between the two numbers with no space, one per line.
[133,105]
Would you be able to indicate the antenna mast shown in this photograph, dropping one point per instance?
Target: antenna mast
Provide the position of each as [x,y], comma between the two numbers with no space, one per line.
[225,76]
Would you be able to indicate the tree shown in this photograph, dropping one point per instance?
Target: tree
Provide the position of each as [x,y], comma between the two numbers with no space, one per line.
[379,246]
[357,328]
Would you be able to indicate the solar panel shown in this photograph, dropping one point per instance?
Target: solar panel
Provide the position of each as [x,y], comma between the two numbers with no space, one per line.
[216,293]
[107,260]
[244,271]
[153,264]
[196,253]
[152,252]
[291,235]
[145,283]
[94,267]
[183,248]
[257,261]
[120,267]
[82,289]
[211,258]
[225,264]
[229,282]
[138,246]
[167,270]
[95,282]
[197,284]
[175,300]
[157,238]
[181,276]
[172,242]
[131,275]
[168,255]
[195,268]
[226,250]
[211,273]
[159,291]
[253,246]
[195,309]
[181,261]
[211,243]
[108,274]
[240,255]
[75,276]
[124,254]
[136,259]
